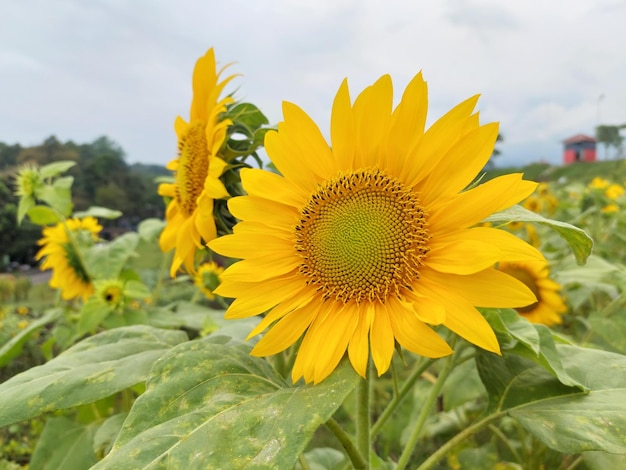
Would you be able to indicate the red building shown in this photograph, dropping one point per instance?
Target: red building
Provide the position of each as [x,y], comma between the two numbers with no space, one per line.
[579,148]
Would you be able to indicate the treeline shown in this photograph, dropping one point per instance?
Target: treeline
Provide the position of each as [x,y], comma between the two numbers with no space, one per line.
[101,178]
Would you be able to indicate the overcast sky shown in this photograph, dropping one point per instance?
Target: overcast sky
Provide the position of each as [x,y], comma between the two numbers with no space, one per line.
[78,69]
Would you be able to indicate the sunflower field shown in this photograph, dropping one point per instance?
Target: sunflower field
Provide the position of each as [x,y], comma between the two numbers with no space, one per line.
[373,300]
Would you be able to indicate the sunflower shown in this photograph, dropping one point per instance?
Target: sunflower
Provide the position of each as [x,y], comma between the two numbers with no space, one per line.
[62,256]
[614,191]
[549,306]
[197,168]
[110,292]
[207,278]
[358,245]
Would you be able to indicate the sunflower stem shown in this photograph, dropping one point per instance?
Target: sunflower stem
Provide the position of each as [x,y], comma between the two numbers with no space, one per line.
[358,462]
[363,421]
[421,366]
[425,411]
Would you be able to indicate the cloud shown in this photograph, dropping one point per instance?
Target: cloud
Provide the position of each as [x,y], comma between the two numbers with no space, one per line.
[82,69]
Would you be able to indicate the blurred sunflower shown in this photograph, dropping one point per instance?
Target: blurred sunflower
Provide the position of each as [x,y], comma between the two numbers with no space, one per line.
[197,168]
[60,254]
[614,191]
[549,306]
[533,203]
[360,244]
[598,183]
[207,278]
[111,292]
[610,209]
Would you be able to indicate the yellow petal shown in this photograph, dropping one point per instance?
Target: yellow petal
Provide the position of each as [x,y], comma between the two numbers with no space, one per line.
[268,185]
[407,124]
[343,128]
[489,288]
[358,349]
[442,135]
[461,164]
[286,332]
[372,113]
[415,335]
[381,339]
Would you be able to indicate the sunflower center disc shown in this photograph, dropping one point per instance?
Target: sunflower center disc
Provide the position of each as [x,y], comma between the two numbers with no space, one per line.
[362,236]
[527,278]
[193,167]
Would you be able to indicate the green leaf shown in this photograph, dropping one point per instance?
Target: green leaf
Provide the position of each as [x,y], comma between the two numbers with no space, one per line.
[202,395]
[324,458]
[563,418]
[13,347]
[610,329]
[92,314]
[25,204]
[514,326]
[98,212]
[247,114]
[43,215]
[64,444]
[463,385]
[55,168]
[92,369]
[106,260]
[578,240]
[107,433]
[596,421]
[59,198]
[136,290]
[150,229]
[548,357]
[604,460]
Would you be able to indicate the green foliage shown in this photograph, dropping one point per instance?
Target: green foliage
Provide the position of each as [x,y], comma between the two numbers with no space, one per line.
[580,243]
[218,393]
[92,369]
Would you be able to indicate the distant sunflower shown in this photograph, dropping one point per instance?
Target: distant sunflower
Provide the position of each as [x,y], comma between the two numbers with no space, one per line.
[360,244]
[60,254]
[207,278]
[197,168]
[110,292]
[549,306]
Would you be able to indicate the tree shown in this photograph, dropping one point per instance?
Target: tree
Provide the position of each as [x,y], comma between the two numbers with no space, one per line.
[610,136]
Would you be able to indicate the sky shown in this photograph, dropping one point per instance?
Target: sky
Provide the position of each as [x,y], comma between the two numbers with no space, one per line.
[77,69]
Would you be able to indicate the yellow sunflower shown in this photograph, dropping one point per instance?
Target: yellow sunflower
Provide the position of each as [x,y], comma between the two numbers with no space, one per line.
[614,191]
[197,168]
[61,255]
[207,278]
[549,306]
[360,244]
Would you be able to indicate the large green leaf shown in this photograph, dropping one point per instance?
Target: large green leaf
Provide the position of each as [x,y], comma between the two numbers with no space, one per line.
[43,215]
[208,403]
[106,260]
[580,243]
[92,369]
[564,418]
[532,341]
[64,444]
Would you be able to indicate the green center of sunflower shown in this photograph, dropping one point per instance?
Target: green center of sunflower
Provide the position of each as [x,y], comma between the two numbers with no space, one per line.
[527,278]
[362,236]
[193,167]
